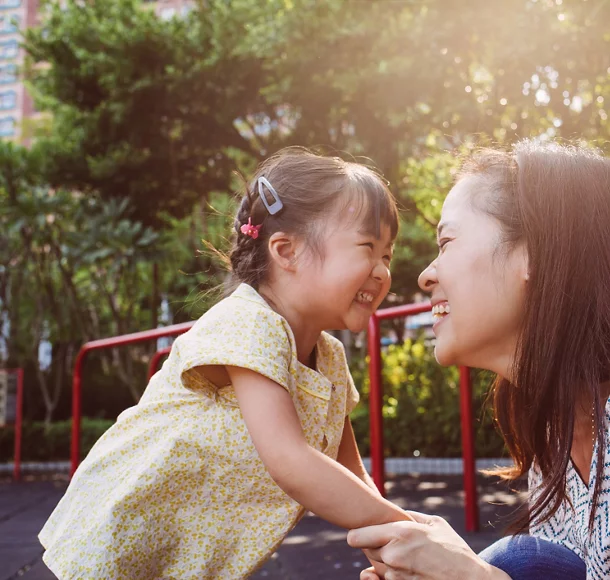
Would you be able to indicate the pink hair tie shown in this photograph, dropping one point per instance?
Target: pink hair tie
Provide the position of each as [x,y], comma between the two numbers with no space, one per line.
[250,230]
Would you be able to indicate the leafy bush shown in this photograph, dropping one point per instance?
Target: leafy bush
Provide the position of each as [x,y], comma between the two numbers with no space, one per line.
[52,443]
[421,406]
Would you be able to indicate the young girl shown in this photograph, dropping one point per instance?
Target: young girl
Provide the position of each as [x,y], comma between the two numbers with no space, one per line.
[246,425]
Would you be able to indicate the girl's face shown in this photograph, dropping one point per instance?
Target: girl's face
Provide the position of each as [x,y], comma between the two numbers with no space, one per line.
[477,285]
[343,287]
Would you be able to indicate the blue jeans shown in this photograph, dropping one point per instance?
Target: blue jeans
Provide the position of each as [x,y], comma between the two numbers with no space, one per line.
[524,557]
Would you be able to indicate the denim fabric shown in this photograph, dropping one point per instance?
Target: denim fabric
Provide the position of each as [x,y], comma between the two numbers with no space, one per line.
[525,557]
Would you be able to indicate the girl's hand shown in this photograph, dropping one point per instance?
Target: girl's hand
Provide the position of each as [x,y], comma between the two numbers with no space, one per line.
[426,549]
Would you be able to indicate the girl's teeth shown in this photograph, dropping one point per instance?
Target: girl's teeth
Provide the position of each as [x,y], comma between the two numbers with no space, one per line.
[364,297]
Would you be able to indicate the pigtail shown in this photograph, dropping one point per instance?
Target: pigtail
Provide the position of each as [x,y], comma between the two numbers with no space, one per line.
[248,257]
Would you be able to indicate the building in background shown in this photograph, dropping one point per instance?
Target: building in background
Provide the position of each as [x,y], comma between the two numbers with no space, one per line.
[15,103]
[16,106]
[167,9]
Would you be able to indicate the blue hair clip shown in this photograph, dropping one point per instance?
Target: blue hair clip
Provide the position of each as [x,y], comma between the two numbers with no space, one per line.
[277,204]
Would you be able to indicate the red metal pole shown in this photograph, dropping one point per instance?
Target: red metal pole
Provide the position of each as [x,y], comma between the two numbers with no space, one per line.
[404,310]
[154,361]
[172,330]
[376,404]
[76,409]
[468,452]
[18,426]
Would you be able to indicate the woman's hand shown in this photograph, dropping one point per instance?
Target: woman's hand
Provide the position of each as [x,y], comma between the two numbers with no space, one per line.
[426,549]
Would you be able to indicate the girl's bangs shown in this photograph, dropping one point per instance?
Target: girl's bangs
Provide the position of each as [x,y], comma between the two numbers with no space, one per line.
[370,203]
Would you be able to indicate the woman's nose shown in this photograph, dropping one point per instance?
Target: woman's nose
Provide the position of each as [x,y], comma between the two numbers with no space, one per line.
[427,279]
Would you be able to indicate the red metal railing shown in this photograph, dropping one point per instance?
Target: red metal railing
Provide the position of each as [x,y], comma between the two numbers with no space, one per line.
[153,365]
[173,330]
[18,422]
[376,415]
[18,426]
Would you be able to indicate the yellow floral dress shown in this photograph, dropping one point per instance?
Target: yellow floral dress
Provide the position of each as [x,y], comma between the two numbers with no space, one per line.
[175,489]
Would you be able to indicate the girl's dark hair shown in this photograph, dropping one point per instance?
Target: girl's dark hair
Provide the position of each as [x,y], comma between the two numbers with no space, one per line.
[555,199]
[311,187]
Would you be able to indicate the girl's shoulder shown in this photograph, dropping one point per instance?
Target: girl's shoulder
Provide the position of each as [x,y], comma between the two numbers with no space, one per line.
[241,321]
[243,310]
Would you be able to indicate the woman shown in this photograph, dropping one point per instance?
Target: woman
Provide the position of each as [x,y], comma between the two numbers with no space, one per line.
[521,286]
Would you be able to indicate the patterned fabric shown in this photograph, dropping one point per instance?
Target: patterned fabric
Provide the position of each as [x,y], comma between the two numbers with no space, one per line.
[569,526]
[175,489]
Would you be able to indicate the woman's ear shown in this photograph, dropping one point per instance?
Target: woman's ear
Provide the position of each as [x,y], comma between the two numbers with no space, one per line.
[283,250]
[524,262]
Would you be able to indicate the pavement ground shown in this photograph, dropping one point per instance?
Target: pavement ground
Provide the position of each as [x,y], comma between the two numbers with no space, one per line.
[314,549]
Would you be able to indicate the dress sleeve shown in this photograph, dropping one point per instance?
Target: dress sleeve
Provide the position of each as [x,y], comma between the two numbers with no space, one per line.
[251,338]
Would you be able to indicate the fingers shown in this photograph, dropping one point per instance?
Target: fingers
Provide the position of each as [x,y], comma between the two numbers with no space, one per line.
[421,518]
[373,537]
[373,554]
[369,574]
[370,537]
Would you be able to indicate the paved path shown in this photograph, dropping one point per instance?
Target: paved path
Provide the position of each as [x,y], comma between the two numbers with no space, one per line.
[314,549]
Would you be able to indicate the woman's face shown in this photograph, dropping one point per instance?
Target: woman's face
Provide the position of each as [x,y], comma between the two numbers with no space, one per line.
[477,284]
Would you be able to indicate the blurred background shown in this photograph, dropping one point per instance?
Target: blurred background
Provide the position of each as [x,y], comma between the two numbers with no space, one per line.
[123,123]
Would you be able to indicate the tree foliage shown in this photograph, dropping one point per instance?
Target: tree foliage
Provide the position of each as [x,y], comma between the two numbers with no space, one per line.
[145,120]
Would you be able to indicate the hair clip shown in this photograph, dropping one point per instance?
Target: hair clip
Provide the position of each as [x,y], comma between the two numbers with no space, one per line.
[250,230]
[277,204]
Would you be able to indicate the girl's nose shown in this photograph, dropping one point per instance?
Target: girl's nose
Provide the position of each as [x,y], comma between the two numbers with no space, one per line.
[427,279]
[381,273]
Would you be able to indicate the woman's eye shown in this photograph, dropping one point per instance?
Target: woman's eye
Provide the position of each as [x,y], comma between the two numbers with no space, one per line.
[442,243]
[368,245]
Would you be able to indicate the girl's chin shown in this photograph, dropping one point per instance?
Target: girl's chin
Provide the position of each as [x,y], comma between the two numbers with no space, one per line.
[443,358]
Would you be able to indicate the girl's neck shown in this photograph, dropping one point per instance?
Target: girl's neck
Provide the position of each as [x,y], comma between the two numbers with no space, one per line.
[305,335]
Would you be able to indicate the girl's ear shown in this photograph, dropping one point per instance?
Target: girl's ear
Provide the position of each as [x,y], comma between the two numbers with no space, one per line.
[283,250]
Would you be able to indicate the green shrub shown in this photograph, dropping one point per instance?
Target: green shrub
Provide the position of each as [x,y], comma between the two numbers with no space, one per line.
[421,406]
[52,443]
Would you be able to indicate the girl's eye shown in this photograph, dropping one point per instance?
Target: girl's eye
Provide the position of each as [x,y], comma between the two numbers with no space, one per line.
[387,258]
[369,245]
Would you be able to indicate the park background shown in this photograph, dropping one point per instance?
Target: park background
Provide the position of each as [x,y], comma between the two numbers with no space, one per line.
[144,117]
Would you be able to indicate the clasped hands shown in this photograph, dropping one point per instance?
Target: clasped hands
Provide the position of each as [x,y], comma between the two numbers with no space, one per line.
[426,548]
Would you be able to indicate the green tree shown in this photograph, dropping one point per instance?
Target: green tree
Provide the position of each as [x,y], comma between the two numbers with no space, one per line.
[161,112]
[141,108]
[76,269]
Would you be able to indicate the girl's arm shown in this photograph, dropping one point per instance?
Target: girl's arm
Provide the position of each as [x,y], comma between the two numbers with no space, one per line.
[349,456]
[318,483]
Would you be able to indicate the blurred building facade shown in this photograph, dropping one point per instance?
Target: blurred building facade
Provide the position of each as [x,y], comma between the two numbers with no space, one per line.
[16,106]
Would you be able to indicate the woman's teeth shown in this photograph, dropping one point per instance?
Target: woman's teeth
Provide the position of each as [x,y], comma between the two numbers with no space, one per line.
[439,310]
[364,297]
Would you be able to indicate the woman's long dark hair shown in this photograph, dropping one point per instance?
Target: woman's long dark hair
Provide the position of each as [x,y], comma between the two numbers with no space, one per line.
[556,200]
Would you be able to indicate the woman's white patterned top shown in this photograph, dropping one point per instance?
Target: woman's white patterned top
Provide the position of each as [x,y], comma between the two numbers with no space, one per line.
[175,489]
[569,526]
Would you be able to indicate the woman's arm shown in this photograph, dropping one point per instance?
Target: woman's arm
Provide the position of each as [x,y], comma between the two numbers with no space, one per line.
[318,483]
